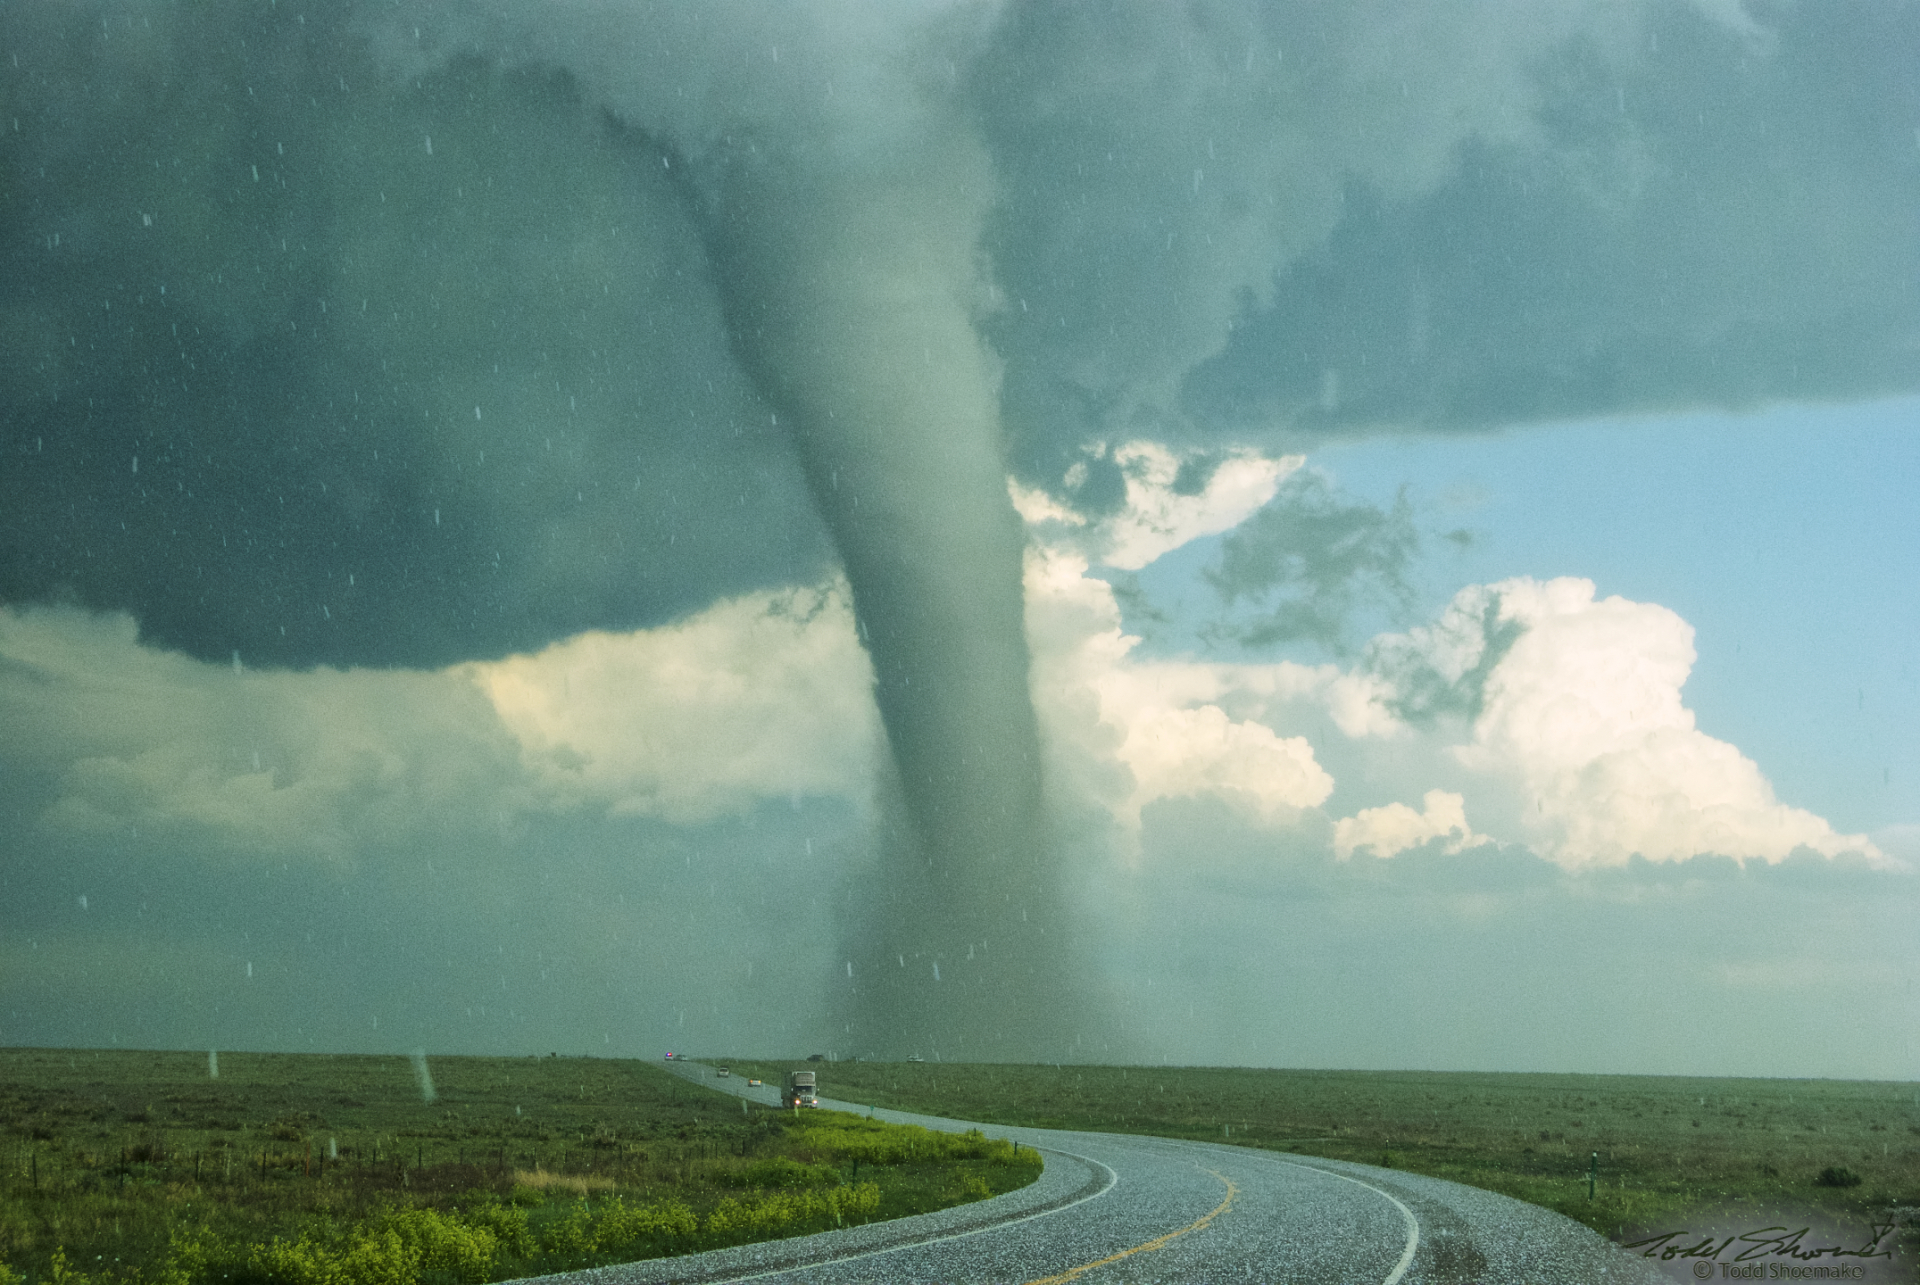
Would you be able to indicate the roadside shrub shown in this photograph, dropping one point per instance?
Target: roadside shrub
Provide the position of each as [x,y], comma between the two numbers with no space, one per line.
[191,1253]
[618,1225]
[368,1259]
[443,1242]
[8,1276]
[861,1199]
[508,1225]
[969,1186]
[298,1262]
[776,1211]
[847,1137]
[394,1249]
[1837,1176]
[622,1225]
[575,1233]
[60,1274]
[380,1258]
[782,1172]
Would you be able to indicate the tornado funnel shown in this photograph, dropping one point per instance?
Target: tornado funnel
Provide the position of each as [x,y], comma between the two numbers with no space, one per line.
[853,303]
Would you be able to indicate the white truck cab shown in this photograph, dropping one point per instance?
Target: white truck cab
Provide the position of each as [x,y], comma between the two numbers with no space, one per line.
[799,1090]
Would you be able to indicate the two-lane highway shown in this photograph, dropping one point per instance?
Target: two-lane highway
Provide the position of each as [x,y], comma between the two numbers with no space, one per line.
[1121,1207]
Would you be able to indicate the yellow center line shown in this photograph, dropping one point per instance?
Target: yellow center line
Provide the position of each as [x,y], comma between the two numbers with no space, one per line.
[1155,1243]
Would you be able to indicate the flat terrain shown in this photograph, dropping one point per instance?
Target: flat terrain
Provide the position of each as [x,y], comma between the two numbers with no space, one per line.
[112,1158]
[1144,1209]
[143,1167]
[1666,1145]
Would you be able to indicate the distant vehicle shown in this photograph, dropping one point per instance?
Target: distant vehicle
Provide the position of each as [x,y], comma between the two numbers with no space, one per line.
[915,1058]
[669,1057]
[816,1057]
[723,1073]
[753,1084]
[799,1090]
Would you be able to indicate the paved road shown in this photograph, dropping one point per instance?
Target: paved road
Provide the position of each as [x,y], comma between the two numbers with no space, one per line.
[1117,1207]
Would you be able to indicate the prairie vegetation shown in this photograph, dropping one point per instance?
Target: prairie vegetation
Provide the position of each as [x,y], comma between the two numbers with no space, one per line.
[124,1167]
[1667,1145]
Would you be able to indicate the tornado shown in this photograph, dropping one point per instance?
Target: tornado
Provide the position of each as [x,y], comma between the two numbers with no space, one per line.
[852,300]
[833,165]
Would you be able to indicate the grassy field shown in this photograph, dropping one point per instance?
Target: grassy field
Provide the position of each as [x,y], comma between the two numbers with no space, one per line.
[309,1169]
[144,1168]
[1667,1146]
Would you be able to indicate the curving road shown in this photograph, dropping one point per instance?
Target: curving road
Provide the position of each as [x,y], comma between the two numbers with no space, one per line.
[1118,1207]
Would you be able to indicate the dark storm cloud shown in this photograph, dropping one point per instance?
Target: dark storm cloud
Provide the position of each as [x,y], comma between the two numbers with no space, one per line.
[240,249]
[1307,557]
[318,369]
[1706,223]
[1283,222]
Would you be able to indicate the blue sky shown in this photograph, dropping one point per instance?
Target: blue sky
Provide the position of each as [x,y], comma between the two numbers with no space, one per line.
[1786,538]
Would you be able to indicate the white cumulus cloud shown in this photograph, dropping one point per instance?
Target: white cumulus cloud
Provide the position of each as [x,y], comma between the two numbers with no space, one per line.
[1395,827]
[1578,723]
[767,695]
[235,762]
[1159,516]
[1553,717]
[1160,723]
[764,696]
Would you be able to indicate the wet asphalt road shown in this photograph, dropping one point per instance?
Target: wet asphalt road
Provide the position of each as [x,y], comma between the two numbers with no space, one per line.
[1118,1207]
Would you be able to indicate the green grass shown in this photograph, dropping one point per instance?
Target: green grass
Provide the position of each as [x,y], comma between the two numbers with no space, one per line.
[139,1167]
[1668,1146]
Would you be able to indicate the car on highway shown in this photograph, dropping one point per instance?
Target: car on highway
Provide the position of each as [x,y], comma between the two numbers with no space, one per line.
[753,1084]
[723,1073]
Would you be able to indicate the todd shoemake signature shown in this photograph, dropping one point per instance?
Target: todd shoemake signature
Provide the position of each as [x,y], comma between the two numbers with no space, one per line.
[1737,1256]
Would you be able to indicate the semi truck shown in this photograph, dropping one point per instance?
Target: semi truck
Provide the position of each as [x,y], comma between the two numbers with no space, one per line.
[798,1090]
